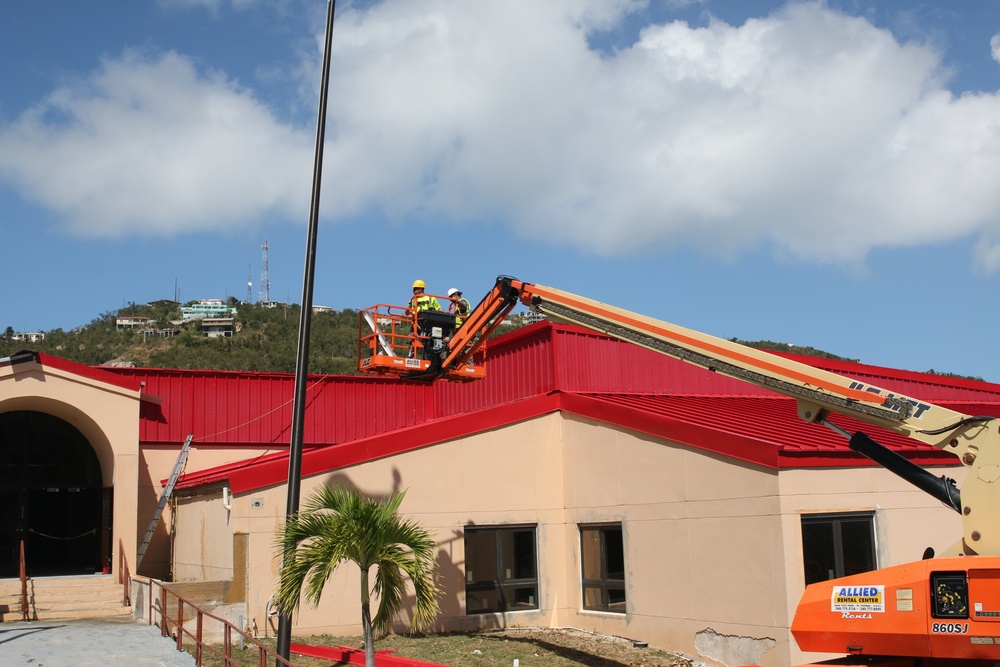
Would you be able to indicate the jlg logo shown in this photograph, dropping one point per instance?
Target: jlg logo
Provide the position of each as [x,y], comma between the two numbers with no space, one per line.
[918,408]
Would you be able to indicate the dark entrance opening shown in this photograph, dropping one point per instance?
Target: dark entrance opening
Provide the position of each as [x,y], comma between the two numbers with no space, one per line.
[51,497]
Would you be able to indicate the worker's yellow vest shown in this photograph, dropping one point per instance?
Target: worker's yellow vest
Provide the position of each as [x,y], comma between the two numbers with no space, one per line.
[425,302]
[460,306]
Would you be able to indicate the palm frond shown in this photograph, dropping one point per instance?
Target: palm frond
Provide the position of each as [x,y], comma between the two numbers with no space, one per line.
[339,524]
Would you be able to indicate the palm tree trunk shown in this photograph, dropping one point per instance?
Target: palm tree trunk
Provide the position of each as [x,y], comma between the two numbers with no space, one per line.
[366,621]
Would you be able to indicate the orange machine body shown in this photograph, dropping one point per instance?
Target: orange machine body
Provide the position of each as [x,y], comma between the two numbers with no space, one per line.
[945,608]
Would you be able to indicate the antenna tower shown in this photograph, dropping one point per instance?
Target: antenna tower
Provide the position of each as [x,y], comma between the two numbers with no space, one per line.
[264,295]
[249,282]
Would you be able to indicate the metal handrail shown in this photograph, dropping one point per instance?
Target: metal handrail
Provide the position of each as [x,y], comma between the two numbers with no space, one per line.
[124,576]
[23,574]
[166,623]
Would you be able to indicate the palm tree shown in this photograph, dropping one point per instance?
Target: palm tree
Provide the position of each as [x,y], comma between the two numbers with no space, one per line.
[339,524]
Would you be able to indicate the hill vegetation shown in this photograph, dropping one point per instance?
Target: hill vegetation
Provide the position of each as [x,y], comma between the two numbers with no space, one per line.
[266,341]
[771,346]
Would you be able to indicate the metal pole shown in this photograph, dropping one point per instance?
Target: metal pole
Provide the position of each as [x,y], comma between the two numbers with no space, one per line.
[284,639]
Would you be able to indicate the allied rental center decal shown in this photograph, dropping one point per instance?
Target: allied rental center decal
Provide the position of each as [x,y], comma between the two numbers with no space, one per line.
[858,598]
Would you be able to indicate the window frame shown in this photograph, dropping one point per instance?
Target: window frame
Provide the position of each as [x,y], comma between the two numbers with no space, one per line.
[836,521]
[505,588]
[605,584]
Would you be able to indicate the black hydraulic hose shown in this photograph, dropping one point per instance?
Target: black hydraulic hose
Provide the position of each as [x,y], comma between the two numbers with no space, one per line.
[961,422]
[942,488]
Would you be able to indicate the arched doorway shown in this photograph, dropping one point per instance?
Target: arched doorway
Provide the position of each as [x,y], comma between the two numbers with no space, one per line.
[51,496]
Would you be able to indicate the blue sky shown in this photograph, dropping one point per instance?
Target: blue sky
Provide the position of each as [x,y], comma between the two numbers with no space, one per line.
[823,174]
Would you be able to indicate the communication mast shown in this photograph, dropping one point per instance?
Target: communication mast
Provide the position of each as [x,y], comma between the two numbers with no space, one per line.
[264,295]
[249,282]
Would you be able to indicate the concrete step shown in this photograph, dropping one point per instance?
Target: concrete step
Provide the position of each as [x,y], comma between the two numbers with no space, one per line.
[52,598]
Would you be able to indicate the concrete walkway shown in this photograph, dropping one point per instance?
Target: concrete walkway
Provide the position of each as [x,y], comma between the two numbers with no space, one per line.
[121,642]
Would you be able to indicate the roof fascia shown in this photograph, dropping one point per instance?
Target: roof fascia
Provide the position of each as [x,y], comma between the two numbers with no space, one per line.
[70,370]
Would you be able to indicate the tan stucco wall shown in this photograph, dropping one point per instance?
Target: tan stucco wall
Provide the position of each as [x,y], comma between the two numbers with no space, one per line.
[156,464]
[702,538]
[203,543]
[681,532]
[907,520]
[713,545]
[108,417]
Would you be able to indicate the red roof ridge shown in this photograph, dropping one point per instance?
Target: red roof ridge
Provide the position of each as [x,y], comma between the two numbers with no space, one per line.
[851,367]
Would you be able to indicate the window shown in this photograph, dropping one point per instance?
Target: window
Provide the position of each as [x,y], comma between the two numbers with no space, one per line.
[500,569]
[602,553]
[836,545]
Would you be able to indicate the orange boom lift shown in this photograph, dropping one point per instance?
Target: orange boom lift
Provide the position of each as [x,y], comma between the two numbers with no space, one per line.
[935,612]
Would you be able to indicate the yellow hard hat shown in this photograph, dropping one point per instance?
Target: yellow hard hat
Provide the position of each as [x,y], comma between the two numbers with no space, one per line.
[418,283]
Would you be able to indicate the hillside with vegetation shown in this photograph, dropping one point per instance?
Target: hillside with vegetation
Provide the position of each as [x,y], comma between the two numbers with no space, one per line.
[771,346]
[266,341]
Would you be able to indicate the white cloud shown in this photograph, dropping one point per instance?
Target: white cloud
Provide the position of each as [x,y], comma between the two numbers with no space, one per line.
[986,254]
[995,47]
[807,130]
[213,6]
[147,146]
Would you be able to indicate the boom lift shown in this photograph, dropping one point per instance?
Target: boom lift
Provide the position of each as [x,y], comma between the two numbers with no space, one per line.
[935,612]
[425,345]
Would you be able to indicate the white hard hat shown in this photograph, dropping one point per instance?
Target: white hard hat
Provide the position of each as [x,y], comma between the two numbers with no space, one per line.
[453,291]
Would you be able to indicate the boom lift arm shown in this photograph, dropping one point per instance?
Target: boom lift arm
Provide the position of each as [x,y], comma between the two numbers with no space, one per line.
[943,611]
[974,440]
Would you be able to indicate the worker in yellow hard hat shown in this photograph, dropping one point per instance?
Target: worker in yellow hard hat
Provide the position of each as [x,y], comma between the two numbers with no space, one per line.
[421,301]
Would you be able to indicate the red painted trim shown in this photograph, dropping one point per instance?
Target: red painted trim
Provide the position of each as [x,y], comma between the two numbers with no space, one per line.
[356,656]
[89,372]
[849,459]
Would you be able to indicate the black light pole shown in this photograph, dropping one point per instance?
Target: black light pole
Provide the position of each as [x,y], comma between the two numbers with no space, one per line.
[305,321]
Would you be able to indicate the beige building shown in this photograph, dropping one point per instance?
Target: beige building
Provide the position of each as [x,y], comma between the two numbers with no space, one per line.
[585,483]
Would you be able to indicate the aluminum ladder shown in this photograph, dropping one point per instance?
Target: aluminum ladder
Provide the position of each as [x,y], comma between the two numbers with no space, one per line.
[164,499]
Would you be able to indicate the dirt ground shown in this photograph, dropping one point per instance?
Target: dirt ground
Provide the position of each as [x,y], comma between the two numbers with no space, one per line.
[531,647]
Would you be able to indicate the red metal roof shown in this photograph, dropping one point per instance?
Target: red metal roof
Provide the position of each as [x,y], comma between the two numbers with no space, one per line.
[532,371]
[711,421]
[242,408]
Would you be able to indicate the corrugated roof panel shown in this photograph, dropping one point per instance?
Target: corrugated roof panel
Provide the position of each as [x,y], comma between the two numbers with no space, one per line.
[927,386]
[518,366]
[591,362]
[256,408]
[758,420]
[773,420]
